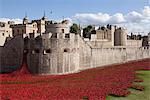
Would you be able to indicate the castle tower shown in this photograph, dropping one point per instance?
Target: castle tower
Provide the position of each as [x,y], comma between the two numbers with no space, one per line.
[120,37]
[61,27]
[112,30]
[44,17]
[25,19]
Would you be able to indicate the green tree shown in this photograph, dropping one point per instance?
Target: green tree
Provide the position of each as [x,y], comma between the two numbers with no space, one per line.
[86,31]
[74,28]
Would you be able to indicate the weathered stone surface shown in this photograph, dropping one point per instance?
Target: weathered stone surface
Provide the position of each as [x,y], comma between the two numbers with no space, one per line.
[62,55]
[12,53]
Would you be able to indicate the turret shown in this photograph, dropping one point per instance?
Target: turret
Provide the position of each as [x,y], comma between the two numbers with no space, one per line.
[44,17]
[25,19]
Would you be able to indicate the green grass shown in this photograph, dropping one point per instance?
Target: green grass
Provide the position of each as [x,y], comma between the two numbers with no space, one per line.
[135,94]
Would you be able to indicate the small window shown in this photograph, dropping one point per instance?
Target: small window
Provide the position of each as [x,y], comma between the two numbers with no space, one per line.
[66,50]
[63,31]
[67,35]
[54,35]
[47,51]
[3,34]
[31,35]
[3,25]
[37,51]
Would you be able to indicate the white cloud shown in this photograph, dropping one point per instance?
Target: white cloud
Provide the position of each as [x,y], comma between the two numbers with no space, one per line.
[17,21]
[92,18]
[146,11]
[134,17]
[116,18]
[133,21]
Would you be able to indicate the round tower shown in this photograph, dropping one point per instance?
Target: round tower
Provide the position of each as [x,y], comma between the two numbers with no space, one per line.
[120,37]
[57,27]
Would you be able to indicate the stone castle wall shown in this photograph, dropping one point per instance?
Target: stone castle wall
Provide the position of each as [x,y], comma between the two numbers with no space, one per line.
[12,54]
[107,56]
[53,55]
[84,54]
[134,43]
[56,51]
[100,44]
[0,55]
[64,55]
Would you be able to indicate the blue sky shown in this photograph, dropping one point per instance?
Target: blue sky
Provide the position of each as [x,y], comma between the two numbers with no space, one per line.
[67,8]
[131,14]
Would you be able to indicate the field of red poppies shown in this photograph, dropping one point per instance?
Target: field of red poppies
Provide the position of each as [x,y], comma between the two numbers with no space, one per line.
[92,84]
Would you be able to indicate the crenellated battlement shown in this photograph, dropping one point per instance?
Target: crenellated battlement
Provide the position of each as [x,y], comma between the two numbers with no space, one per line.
[52,49]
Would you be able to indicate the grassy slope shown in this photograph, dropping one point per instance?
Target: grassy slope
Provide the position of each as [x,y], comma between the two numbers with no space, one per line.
[135,94]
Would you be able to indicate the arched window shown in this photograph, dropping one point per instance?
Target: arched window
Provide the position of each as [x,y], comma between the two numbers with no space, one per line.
[3,34]
[63,31]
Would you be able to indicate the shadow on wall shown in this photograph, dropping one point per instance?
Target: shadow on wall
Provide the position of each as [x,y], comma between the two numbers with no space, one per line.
[12,54]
